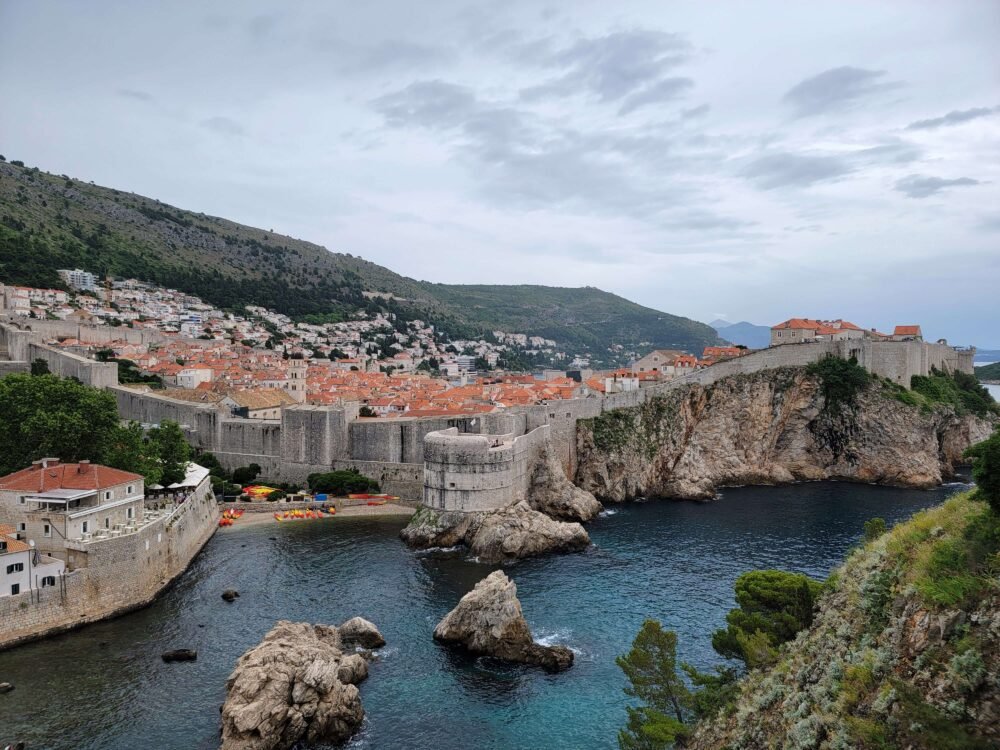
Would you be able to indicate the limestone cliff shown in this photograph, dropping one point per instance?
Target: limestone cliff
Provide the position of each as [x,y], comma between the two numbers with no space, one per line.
[769,427]
[904,650]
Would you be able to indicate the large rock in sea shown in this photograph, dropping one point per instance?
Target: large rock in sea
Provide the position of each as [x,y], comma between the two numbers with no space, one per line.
[297,685]
[493,536]
[551,493]
[488,620]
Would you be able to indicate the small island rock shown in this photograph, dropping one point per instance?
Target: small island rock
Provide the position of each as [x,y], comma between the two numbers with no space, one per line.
[5,687]
[179,654]
[488,620]
[359,632]
[230,594]
[297,685]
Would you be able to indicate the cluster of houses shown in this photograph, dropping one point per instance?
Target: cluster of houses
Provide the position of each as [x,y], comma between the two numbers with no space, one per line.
[804,330]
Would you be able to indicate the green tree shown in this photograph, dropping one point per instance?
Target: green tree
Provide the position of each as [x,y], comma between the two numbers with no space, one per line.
[874,528]
[651,669]
[774,605]
[986,469]
[47,416]
[716,690]
[341,482]
[130,450]
[172,449]
[39,366]
[367,411]
[246,474]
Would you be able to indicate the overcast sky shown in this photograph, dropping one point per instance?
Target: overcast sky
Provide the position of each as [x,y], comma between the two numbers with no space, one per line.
[741,160]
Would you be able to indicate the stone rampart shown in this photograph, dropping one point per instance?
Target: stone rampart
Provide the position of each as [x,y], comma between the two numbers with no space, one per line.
[468,472]
[122,574]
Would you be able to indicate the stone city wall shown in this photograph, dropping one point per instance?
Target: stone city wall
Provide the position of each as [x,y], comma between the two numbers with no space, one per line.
[468,472]
[122,574]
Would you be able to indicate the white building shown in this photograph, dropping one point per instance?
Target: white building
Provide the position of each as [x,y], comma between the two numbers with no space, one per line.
[52,502]
[22,568]
[79,279]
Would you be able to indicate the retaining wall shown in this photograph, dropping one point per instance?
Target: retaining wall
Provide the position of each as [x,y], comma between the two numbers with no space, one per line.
[122,574]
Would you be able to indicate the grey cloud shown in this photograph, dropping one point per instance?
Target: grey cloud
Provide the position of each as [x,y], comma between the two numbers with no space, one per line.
[611,66]
[955,117]
[223,126]
[836,88]
[990,224]
[895,151]
[662,91]
[700,110]
[429,104]
[141,96]
[261,26]
[794,170]
[924,186]
[394,54]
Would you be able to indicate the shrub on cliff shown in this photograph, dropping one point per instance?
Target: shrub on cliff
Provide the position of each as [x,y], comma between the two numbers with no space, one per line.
[958,389]
[986,469]
[841,380]
[774,605]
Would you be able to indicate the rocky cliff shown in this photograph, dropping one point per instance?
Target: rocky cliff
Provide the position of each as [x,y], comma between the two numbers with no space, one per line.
[904,650]
[769,427]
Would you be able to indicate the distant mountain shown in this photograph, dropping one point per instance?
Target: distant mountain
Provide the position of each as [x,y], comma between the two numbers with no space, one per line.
[719,324]
[989,372]
[747,334]
[987,355]
[51,221]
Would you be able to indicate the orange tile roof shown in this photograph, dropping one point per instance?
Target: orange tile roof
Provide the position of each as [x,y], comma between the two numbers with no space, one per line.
[906,331]
[10,536]
[82,476]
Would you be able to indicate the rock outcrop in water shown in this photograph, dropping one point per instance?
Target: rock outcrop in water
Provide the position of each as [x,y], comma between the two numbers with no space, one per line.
[769,427]
[297,685]
[551,493]
[488,620]
[899,655]
[494,536]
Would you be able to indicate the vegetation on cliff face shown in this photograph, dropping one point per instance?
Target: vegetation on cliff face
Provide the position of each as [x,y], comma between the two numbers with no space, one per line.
[958,390]
[52,221]
[841,380]
[904,651]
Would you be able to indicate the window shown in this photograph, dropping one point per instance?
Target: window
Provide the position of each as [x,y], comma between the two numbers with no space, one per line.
[107,495]
[85,526]
[129,489]
[107,523]
[20,500]
[15,588]
[130,513]
[48,581]
[46,530]
[15,568]
[22,526]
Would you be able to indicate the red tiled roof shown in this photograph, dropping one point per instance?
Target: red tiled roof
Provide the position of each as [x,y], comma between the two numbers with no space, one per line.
[906,331]
[13,544]
[66,477]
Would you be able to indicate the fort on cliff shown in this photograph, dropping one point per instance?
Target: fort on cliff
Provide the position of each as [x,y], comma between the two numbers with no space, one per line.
[466,463]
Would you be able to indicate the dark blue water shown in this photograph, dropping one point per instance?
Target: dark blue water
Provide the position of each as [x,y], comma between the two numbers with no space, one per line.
[106,687]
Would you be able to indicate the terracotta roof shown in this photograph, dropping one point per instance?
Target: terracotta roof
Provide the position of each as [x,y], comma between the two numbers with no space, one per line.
[81,476]
[262,398]
[198,396]
[8,535]
[906,331]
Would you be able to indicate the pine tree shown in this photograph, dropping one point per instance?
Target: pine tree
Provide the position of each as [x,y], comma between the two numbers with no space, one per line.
[651,669]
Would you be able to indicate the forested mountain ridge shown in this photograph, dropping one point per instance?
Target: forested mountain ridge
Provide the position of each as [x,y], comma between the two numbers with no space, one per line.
[52,221]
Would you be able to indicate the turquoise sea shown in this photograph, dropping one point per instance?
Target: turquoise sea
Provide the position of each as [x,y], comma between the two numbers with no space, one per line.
[105,688]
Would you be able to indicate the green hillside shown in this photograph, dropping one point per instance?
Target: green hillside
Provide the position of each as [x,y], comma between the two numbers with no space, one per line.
[989,372]
[52,221]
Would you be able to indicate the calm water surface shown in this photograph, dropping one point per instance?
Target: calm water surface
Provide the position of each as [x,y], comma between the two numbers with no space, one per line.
[105,687]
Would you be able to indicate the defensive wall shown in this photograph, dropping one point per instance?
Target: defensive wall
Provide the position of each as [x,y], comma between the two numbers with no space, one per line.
[122,573]
[310,439]
[478,472]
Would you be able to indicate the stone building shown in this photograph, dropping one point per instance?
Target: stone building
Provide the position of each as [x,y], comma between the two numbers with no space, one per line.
[53,503]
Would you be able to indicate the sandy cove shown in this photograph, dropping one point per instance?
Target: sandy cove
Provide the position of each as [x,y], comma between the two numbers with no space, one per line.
[355,511]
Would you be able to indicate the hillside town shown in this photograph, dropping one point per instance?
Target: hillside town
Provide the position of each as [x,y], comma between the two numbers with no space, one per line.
[256,363]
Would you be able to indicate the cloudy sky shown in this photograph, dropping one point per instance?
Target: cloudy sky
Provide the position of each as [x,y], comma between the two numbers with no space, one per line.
[740,160]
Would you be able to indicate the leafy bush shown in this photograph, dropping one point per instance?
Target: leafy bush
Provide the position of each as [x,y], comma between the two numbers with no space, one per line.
[774,605]
[841,380]
[958,389]
[342,482]
[986,469]
[874,528]
[246,474]
[276,495]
